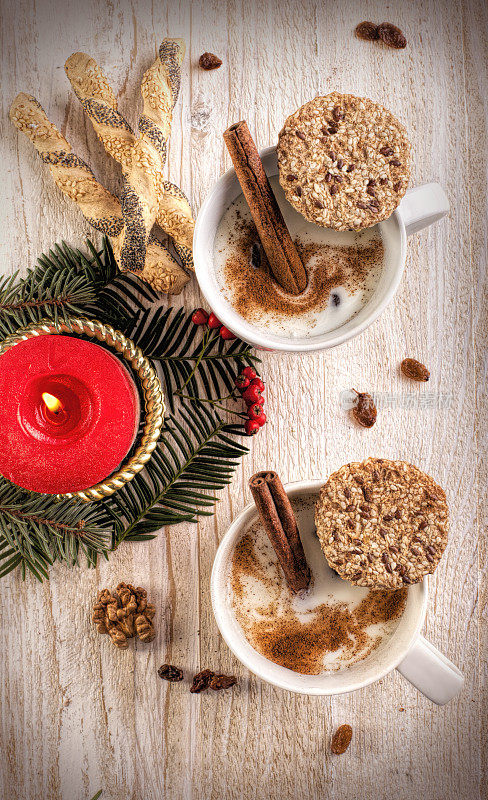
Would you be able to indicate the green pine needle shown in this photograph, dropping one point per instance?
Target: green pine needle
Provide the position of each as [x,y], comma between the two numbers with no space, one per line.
[195,455]
[46,293]
[36,531]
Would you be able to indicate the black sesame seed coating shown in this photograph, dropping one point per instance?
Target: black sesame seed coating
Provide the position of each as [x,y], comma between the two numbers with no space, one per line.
[168,53]
[65,159]
[110,226]
[105,115]
[153,133]
[174,190]
[133,250]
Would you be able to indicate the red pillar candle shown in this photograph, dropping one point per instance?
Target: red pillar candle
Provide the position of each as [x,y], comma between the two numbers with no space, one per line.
[69,413]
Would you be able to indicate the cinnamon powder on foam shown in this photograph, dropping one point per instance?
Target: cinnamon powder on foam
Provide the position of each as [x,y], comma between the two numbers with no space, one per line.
[254,291]
[302,646]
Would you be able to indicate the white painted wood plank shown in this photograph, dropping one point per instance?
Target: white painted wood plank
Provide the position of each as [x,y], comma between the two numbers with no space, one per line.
[78,715]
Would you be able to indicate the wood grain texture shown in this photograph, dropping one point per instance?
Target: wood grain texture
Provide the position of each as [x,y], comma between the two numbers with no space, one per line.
[77,715]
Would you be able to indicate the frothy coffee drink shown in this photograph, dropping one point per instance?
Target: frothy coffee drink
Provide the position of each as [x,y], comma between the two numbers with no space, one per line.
[328,628]
[343,268]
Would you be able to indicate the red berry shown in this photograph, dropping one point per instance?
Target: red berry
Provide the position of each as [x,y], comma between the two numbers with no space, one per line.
[261,419]
[226,333]
[251,427]
[258,382]
[250,373]
[213,322]
[251,394]
[259,401]
[199,317]
[241,382]
[254,411]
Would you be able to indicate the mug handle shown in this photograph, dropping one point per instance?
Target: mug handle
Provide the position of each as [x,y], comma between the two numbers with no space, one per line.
[423,205]
[431,672]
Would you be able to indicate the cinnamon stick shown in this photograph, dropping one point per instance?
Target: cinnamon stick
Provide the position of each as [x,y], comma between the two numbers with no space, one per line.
[281,527]
[282,254]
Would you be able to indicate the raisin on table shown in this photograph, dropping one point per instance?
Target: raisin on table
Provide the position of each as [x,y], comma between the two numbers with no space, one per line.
[392,36]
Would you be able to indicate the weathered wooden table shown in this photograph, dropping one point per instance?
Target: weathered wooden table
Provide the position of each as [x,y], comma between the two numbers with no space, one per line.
[77,715]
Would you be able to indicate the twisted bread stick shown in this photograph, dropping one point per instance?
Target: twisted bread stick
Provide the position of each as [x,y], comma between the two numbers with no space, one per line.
[70,173]
[77,181]
[175,218]
[142,159]
[99,102]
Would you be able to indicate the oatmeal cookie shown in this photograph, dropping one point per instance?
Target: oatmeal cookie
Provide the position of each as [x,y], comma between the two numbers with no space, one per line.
[382,523]
[344,161]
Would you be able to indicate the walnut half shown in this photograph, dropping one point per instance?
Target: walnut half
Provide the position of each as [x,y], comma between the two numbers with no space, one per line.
[124,614]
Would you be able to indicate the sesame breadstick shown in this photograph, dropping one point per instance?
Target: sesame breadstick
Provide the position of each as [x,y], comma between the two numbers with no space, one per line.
[76,180]
[145,161]
[160,269]
[99,103]
[175,218]
[174,213]
[70,173]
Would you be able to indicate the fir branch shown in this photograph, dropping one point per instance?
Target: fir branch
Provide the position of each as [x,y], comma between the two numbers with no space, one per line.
[36,530]
[67,282]
[26,302]
[34,518]
[190,357]
[195,454]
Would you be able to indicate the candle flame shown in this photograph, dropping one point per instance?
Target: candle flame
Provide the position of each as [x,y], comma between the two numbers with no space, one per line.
[53,404]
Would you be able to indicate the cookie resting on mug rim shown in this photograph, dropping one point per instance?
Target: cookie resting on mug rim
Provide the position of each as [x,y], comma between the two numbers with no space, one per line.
[344,161]
[381,523]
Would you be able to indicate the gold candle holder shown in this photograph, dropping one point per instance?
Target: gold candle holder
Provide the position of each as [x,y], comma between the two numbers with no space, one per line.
[151,388]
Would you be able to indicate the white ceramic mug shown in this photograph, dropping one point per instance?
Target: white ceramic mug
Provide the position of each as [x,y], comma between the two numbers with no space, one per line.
[419,208]
[405,649]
